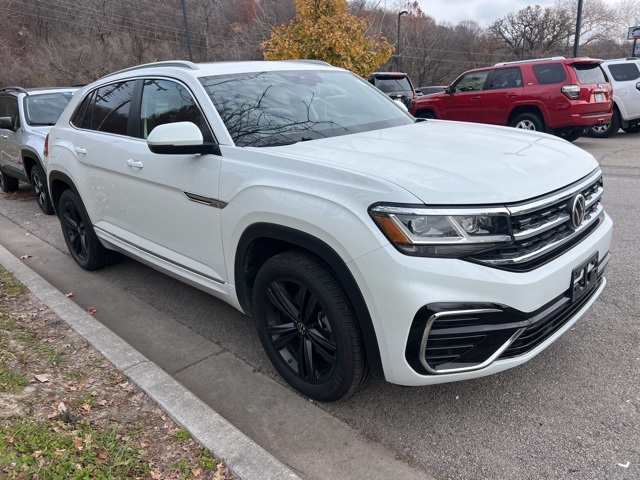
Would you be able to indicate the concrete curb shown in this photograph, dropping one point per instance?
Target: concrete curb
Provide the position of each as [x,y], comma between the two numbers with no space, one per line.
[244,457]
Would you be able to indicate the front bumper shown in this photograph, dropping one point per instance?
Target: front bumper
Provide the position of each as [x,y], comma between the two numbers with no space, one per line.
[514,315]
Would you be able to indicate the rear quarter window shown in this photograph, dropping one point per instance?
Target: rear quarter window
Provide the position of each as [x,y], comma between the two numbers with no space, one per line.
[589,73]
[391,85]
[548,73]
[622,72]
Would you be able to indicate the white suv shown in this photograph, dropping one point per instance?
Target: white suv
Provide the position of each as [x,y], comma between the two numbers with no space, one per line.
[624,74]
[358,238]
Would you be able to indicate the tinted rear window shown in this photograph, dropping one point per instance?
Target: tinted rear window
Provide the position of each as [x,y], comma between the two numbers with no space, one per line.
[625,71]
[391,85]
[548,73]
[589,73]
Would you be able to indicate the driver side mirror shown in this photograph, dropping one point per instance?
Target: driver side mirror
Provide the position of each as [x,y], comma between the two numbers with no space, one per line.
[180,138]
[449,89]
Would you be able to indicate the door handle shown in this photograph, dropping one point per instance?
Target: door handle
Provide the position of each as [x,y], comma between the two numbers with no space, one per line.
[476,98]
[5,136]
[511,95]
[81,151]
[135,164]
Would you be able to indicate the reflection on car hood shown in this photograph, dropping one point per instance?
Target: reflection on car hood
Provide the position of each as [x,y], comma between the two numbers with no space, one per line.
[444,162]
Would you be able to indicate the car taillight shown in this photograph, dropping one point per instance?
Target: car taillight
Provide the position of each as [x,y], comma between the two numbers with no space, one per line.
[45,150]
[572,92]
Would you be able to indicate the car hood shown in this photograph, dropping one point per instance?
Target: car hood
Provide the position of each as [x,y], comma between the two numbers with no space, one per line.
[443,162]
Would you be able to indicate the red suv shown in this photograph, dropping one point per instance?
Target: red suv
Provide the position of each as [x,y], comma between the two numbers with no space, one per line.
[555,95]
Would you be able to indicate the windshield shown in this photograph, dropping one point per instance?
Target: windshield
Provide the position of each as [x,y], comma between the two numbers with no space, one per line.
[45,109]
[264,109]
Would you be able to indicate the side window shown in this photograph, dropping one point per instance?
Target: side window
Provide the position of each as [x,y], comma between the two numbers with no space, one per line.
[106,109]
[471,81]
[165,101]
[548,73]
[9,108]
[505,78]
[622,72]
[82,117]
[111,108]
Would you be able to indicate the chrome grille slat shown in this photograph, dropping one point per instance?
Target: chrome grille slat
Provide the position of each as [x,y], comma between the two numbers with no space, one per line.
[538,232]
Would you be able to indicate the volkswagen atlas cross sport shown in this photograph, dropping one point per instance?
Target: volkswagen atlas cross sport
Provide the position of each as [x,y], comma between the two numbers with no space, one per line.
[360,240]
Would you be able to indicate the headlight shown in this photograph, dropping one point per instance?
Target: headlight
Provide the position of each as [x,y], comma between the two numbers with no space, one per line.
[439,232]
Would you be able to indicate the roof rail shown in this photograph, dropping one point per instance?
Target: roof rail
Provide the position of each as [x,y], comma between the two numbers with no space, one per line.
[309,60]
[14,89]
[528,61]
[166,63]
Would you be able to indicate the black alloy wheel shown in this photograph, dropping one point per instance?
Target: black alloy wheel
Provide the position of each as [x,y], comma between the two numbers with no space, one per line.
[307,327]
[608,129]
[39,183]
[81,239]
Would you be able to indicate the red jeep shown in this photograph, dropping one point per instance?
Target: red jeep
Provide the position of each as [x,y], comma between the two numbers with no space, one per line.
[555,95]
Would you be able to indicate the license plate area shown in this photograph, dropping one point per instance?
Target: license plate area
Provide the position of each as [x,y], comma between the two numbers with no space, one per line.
[584,278]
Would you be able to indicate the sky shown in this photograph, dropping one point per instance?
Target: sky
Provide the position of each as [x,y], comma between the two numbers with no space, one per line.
[482,11]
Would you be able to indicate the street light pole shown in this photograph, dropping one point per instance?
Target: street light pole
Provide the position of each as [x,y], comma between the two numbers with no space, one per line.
[400,14]
[186,28]
[576,42]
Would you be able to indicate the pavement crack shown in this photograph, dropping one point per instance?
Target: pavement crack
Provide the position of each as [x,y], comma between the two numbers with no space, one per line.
[180,370]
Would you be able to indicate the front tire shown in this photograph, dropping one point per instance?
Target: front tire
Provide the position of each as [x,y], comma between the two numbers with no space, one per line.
[8,184]
[40,189]
[527,121]
[308,328]
[634,129]
[81,239]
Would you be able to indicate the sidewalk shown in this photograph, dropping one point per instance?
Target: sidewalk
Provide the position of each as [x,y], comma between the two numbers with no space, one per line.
[245,458]
[205,387]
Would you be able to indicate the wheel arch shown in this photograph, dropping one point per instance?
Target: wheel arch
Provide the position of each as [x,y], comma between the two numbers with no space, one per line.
[534,109]
[58,183]
[264,240]
[29,159]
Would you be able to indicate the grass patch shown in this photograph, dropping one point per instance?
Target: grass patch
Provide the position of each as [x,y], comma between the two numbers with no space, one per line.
[31,449]
[10,284]
[181,435]
[12,382]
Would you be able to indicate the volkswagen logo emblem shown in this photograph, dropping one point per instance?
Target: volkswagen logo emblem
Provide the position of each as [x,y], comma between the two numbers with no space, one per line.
[578,209]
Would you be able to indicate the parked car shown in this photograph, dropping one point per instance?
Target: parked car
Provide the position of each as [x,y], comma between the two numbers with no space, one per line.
[554,95]
[395,84]
[430,90]
[625,78]
[26,116]
[359,239]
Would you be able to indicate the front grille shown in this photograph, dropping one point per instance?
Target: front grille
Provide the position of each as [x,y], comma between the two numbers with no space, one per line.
[541,230]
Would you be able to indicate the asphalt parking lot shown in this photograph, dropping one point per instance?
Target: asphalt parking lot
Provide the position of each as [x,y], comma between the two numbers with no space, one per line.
[572,412]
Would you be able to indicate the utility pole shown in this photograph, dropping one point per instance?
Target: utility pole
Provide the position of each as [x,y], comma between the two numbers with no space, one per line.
[576,42]
[186,28]
[400,14]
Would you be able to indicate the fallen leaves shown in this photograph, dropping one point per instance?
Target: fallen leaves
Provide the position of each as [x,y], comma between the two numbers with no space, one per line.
[24,257]
[91,310]
[70,294]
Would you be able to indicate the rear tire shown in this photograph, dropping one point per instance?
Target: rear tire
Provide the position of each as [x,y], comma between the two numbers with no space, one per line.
[308,328]
[572,135]
[8,184]
[607,129]
[527,121]
[82,241]
[634,129]
[40,189]
[427,114]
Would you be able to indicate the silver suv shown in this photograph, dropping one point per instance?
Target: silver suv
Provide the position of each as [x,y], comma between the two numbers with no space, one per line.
[359,239]
[26,116]
[624,74]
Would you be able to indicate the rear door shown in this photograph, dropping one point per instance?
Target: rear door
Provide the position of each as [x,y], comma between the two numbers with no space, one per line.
[465,101]
[502,93]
